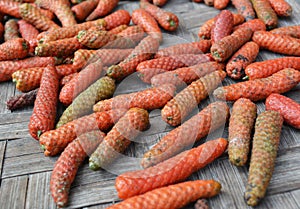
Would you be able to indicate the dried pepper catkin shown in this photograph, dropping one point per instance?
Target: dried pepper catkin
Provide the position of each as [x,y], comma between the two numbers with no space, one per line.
[58,48]
[119,29]
[119,137]
[277,43]
[160,2]
[245,8]
[177,109]
[103,8]
[29,33]
[173,170]
[147,69]
[103,88]
[119,17]
[293,31]
[17,48]
[67,165]
[198,47]
[22,100]
[143,51]
[209,119]
[82,81]
[66,79]
[134,33]
[142,18]
[173,196]
[28,79]
[34,16]
[221,4]
[186,75]
[228,45]
[107,56]
[266,68]
[53,142]
[241,123]
[11,30]
[281,7]
[148,99]
[237,64]
[288,108]
[265,145]
[67,69]
[254,25]
[223,26]
[167,20]
[83,9]
[10,7]
[98,39]
[44,111]
[265,12]
[7,68]
[260,89]
[68,32]
[205,30]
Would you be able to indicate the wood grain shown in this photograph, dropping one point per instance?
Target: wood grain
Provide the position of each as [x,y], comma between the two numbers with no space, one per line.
[25,172]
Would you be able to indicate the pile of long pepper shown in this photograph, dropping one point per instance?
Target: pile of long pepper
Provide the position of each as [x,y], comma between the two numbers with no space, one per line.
[77,52]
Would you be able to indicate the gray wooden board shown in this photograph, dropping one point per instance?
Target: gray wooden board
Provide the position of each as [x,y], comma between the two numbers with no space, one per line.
[25,172]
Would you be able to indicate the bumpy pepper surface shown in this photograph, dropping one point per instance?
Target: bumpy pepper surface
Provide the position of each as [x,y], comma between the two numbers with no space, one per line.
[186,75]
[28,79]
[281,7]
[177,109]
[67,165]
[237,64]
[167,20]
[44,111]
[147,69]
[11,30]
[210,118]
[241,123]
[293,31]
[172,197]
[7,68]
[198,47]
[17,48]
[119,137]
[173,170]
[265,145]
[265,12]
[266,68]
[148,99]
[228,45]
[223,26]
[80,82]
[244,7]
[277,43]
[103,88]
[103,8]
[288,108]
[34,16]
[22,100]
[143,51]
[53,142]
[260,89]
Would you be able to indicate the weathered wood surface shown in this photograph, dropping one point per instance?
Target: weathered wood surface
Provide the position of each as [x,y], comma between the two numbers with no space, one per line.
[25,172]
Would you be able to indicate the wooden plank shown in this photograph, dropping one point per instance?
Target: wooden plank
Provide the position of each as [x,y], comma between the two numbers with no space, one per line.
[296,196]
[14,131]
[13,192]
[7,90]
[38,192]
[27,164]
[2,151]
[92,194]
[15,117]
[23,146]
